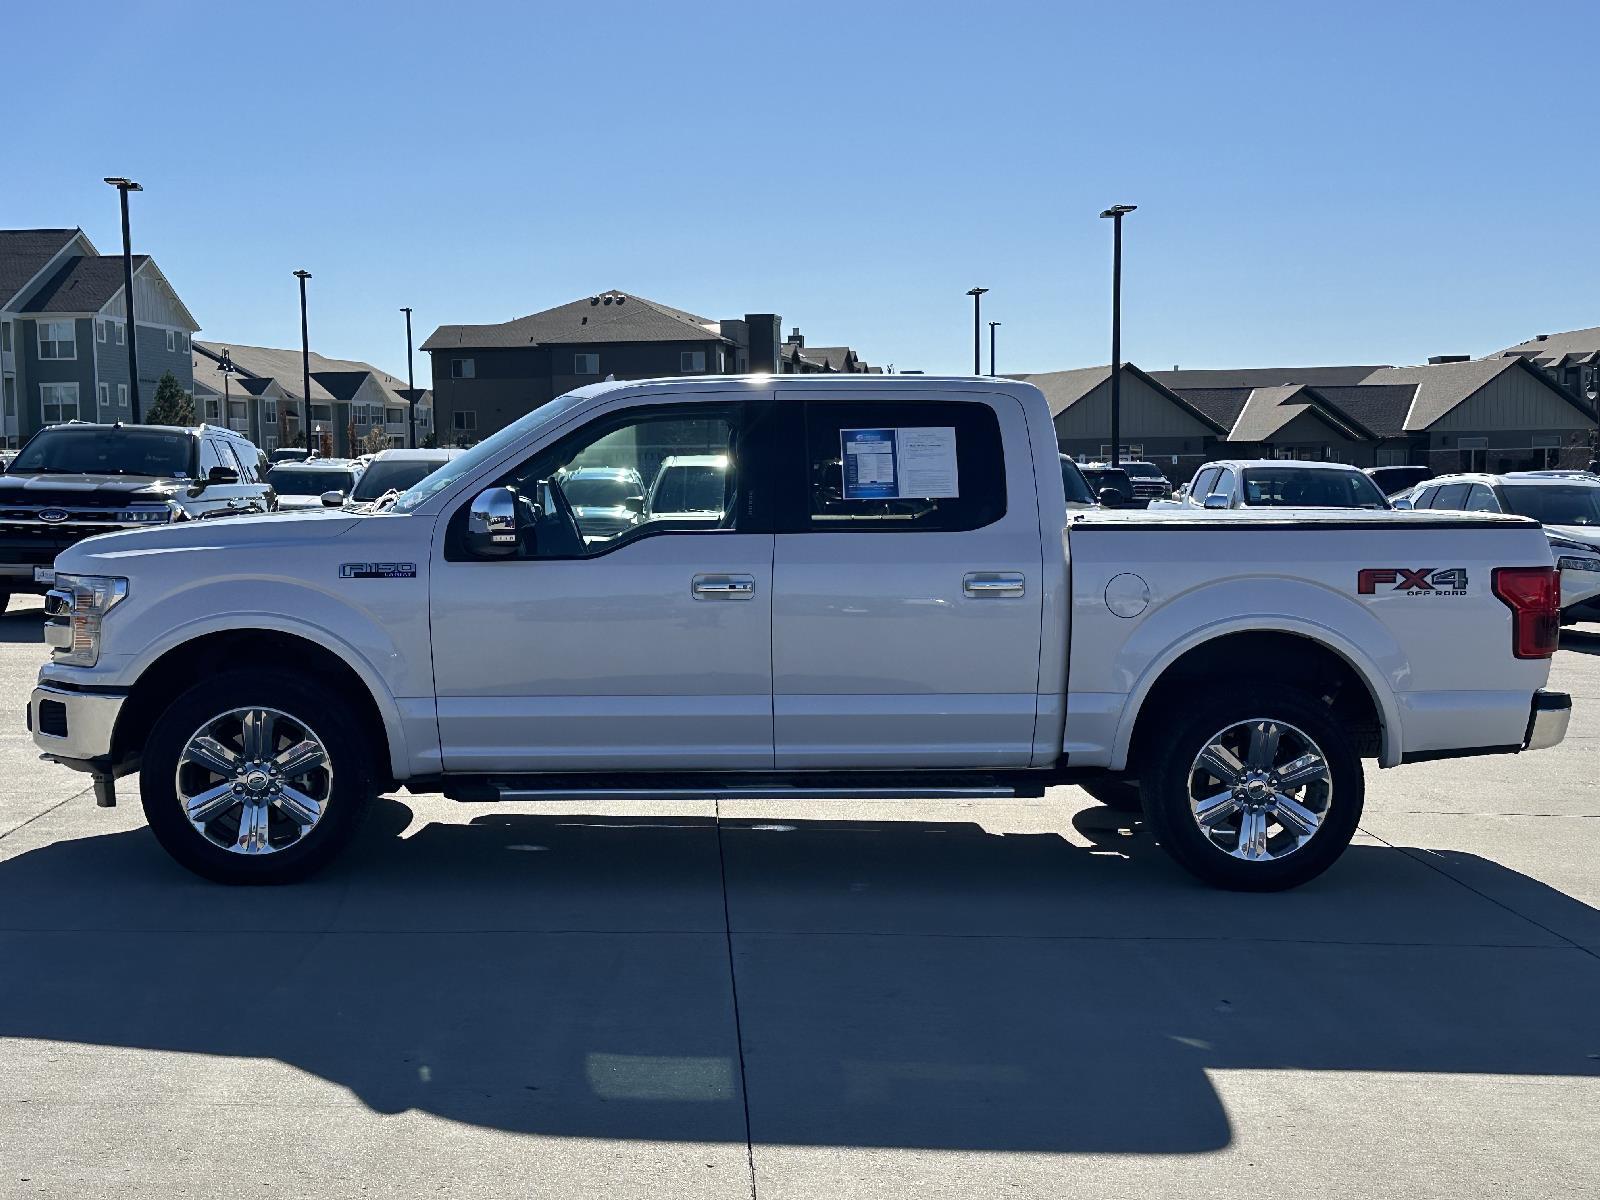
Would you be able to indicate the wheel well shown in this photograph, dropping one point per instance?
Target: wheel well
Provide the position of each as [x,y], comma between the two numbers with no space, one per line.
[1265,655]
[187,664]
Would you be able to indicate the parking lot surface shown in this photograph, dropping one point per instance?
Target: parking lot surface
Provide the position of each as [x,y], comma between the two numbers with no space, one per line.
[795,1000]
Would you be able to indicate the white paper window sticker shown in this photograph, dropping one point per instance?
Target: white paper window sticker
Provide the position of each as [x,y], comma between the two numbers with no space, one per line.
[914,462]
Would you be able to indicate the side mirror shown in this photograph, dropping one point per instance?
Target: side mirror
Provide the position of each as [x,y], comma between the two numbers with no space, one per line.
[1402,504]
[1217,500]
[333,499]
[222,475]
[1110,498]
[492,523]
[635,505]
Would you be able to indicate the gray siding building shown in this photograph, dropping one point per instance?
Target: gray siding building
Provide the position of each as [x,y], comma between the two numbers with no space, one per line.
[64,330]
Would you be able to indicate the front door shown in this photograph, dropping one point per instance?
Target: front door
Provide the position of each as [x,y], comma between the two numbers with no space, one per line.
[616,637]
[906,584]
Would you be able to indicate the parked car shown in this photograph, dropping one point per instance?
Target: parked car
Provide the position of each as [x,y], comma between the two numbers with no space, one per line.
[314,483]
[952,634]
[289,454]
[605,501]
[1279,483]
[1079,494]
[395,471]
[688,487]
[1149,481]
[1392,481]
[1111,486]
[75,480]
[1566,503]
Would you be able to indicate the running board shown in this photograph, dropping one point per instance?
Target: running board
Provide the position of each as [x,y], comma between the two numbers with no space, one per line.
[743,785]
[751,793]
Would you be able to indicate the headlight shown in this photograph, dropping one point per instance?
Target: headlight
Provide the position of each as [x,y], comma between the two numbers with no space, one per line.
[148,514]
[1571,562]
[76,606]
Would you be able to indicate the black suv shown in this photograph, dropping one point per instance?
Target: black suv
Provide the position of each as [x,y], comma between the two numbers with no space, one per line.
[75,480]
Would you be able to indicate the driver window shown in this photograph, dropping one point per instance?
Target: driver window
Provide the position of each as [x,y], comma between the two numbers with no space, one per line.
[627,476]
[1481,499]
[209,458]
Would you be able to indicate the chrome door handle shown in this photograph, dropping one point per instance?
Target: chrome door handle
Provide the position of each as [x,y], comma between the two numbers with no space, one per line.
[998,584]
[723,587]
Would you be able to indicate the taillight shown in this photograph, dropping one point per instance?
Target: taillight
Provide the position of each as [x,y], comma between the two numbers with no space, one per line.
[1533,594]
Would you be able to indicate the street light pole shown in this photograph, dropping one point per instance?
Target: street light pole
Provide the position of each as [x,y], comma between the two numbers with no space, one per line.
[977,329]
[305,356]
[1116,212]
[411,389]
[993,325]
[124,186]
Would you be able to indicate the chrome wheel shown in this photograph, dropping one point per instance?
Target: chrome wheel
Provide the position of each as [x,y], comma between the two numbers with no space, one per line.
[1260,789]
[254,780]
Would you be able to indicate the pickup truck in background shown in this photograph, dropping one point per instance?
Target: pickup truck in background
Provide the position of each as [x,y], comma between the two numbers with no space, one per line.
[1267,483]
[877,591]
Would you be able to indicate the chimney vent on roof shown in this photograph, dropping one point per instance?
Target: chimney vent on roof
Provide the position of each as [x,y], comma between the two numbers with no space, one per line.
[1437,359]
[594,299]
[795,338]
[1541,337]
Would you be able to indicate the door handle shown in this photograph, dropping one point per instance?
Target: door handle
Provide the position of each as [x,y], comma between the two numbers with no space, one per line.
[998,584]
[723,587]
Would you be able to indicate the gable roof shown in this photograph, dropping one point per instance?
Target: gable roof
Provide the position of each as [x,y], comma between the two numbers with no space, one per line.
[26,252]
[1252,377]
[1442,386]
[838,358]
[1379,407]
[1063,389]
[83,284]
[604,317]
[1554,349]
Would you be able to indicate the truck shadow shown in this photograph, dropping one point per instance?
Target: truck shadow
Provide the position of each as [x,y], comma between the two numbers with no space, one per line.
[21,626]
[899,983]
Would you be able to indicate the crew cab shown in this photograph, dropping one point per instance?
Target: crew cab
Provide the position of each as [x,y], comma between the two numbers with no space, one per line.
[75,480]
[1279,483]
[891,600]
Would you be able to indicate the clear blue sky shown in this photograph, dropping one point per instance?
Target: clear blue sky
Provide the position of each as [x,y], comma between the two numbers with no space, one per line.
[1316,183]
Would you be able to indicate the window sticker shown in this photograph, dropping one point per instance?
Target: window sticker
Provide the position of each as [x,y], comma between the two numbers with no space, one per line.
[912,462]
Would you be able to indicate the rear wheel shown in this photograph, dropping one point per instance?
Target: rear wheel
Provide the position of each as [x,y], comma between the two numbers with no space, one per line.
[254,777]
[1260,790]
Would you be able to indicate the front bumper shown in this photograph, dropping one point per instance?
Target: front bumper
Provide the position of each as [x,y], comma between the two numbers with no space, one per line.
[74,726]
[1547,722]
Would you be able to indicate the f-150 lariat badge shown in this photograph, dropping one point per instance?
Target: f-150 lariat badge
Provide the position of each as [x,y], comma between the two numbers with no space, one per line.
[376,570]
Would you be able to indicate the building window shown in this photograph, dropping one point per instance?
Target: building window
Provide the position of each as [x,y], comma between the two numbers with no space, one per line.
[172,341]
[269,411]
[463,368]
[104,392]
[10,387]
[586,364]
[271,441]
[122,395]
[1546,451]
[1474,453]
[394,415]
[692,362]
[120,335]
[213,409]
[99,331]
[1131,453]
[183,342]
[5,336]
[58,402]
[465,422]
[57,339]
[321,412]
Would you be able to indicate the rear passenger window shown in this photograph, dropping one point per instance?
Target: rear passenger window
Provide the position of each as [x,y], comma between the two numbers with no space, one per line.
[1202,484]
[1481,499]
[895,467]
[1424,498]
[1451,496]
[209,457]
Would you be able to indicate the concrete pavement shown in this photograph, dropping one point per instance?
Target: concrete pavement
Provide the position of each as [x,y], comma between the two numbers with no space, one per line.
[842,1000]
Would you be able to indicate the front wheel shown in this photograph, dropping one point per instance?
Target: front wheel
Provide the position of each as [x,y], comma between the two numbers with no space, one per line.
[1257,790]
[253,777]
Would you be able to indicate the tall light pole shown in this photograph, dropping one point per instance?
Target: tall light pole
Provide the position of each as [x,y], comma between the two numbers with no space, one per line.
[1116,212]
[225,365]
[411,389]
[977,329]
[993,325]
[124,186]
[305,355]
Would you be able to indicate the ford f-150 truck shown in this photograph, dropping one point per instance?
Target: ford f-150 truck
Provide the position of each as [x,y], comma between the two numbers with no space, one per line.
[882,595]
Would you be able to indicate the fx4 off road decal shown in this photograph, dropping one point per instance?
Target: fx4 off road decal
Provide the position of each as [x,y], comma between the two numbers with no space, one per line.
[377,570]
[1423,581]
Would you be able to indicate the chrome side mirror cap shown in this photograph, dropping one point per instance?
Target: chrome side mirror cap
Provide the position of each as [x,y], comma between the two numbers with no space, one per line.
[1217,500]
[492,523]
[1402,504]
[332,499]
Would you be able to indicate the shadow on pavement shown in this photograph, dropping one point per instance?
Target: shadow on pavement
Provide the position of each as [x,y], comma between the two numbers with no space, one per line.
[24,626]
[1583,641]
[912,984]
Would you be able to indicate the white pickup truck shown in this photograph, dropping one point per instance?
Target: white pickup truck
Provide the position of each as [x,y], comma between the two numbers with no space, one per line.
[871,588]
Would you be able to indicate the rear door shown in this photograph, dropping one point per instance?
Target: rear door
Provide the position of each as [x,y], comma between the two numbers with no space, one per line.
[906,581]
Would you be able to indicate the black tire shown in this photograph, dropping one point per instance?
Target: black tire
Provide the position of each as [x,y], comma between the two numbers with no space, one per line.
[348,793]
[1116,793]
[1165,787]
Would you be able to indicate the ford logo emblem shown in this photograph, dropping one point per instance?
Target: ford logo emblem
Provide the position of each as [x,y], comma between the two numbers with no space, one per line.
[53,515]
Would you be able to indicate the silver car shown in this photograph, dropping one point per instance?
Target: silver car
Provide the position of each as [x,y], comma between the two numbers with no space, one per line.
[605,501]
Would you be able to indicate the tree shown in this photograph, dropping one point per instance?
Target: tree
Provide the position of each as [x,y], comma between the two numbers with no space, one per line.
[430,442]
[374,440]
[171,405]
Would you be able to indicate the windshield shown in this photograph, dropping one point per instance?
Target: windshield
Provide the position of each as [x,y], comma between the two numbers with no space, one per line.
[1554,504]
[689,488]
[1309,487]
[68,451]
[302,481]
[1101,478]
[1077,488]
[394,474]
[1143,470]
[598,491]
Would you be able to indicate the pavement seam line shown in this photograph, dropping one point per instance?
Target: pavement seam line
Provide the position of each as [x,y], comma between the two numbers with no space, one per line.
[46,812]
[1411,853]
[733,985]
